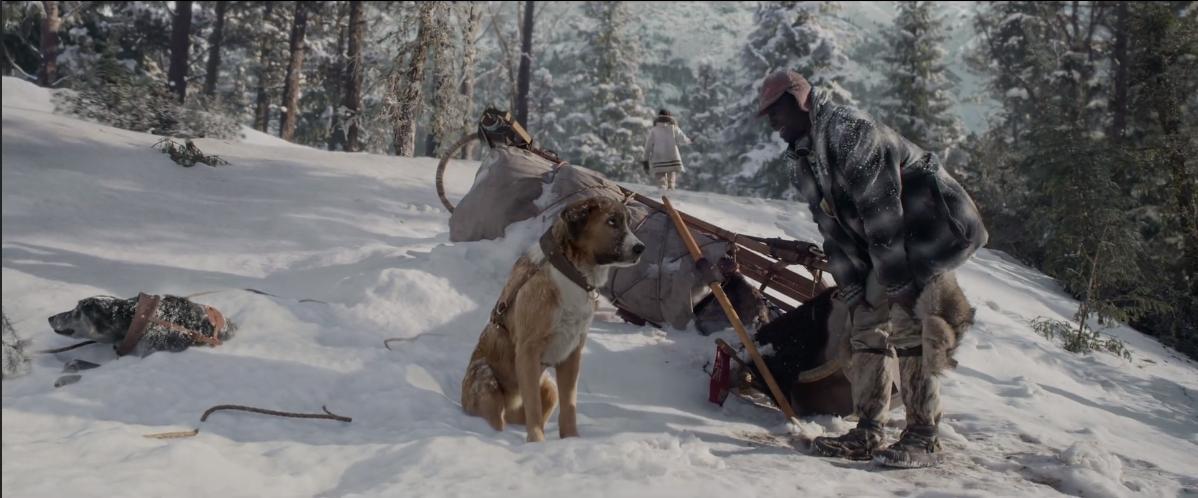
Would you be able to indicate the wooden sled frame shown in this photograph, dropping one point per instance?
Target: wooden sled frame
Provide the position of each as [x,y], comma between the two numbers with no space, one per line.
[766,261]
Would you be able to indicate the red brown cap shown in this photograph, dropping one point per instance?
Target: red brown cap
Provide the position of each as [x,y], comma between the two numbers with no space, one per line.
[782,82]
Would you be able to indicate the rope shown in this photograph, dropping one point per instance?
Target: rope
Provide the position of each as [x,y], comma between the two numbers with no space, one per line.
[326,415]
[65,349]
[387,342]
[254,291]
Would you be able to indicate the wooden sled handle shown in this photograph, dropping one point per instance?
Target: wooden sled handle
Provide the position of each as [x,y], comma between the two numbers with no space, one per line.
[697,255]
[453,150]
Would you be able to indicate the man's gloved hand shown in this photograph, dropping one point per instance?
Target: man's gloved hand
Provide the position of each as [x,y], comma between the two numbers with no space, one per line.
[850,295]
[645,166]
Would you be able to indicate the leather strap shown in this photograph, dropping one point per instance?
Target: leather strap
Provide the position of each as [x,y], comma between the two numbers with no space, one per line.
[143,316]
[505,300]
[878,351]
[147,305]
[553,253]
[555,257]
[911,351]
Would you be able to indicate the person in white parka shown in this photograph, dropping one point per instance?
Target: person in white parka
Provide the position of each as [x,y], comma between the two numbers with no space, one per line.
[661,150]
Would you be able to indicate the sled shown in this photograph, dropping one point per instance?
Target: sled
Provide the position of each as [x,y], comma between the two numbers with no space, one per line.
[767,261]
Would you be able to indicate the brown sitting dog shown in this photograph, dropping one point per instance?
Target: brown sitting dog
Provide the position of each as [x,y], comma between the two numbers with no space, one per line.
[542,318]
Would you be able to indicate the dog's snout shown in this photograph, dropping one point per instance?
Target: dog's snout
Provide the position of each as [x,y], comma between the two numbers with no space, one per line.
[638,248]
[58,324]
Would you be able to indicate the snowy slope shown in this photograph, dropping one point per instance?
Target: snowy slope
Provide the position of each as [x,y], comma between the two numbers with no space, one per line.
[89,209]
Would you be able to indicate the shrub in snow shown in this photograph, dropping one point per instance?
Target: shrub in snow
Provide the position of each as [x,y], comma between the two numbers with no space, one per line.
[1077,340]
[116,95]
[187,155]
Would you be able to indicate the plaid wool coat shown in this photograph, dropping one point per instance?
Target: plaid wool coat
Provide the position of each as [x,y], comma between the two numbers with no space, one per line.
[882,204]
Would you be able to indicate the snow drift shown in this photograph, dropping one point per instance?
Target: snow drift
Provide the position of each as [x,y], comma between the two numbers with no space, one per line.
[89,209]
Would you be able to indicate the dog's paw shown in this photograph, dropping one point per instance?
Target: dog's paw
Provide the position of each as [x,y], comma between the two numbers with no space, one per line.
[67,380]
[535,436]
[78,365]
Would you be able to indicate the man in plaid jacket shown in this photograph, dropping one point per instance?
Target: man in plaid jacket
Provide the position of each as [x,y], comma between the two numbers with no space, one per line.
[895,224]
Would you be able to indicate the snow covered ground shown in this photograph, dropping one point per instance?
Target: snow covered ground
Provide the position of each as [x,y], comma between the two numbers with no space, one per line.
[89,210]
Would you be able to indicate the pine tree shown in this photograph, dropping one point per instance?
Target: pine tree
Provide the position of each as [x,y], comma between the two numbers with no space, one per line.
[545,106]
[705,160]
[917,103]
[1163,64]
[610,139]
[788,35]
[1019,44]
[1092,157]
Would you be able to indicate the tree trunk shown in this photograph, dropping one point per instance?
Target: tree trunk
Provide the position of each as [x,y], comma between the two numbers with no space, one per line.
[473,24]
[180,46]
[1121,66]
[214,42]
[262,110]
[353,76]
[291,91]
[406,87]
[430,145]
[525,65]
[446,108]
[51,23]
[334,85]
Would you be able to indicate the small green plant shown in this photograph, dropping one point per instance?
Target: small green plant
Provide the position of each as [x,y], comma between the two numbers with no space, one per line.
[187,155]
[1078,339]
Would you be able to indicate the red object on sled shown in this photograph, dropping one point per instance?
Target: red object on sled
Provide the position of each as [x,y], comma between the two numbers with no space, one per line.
[721,378]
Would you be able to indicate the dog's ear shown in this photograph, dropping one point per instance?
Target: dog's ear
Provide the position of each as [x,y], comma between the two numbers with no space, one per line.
[575,217]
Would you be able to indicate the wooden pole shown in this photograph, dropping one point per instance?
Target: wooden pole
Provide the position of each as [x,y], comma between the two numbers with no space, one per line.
[693,247]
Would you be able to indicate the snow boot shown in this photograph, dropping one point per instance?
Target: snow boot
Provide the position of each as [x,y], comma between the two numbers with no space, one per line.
[858,444]
[916,448]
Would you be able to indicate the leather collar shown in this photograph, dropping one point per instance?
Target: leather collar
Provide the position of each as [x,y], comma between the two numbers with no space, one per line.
[553,253]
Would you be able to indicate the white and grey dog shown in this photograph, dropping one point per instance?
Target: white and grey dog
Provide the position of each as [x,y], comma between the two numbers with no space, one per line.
[169,323]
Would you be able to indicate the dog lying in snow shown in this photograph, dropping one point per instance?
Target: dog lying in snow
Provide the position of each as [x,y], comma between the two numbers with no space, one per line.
[542,318]
[144,324]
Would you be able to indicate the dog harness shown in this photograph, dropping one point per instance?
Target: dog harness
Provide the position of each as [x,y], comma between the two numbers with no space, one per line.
[555,257]
[145,314]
